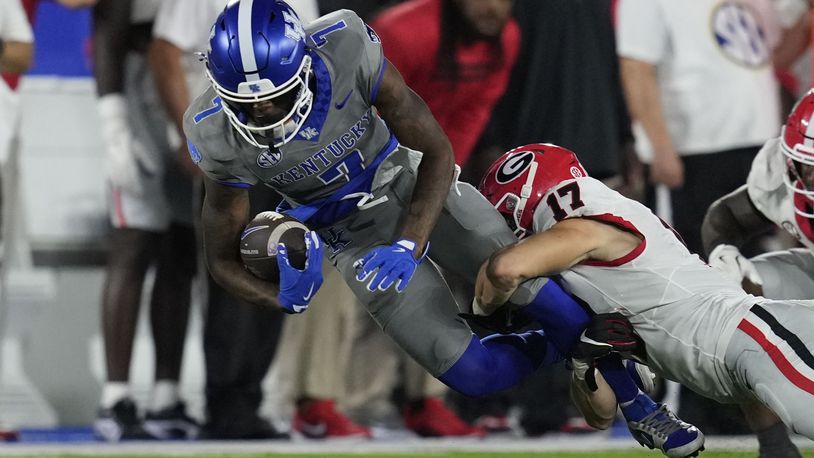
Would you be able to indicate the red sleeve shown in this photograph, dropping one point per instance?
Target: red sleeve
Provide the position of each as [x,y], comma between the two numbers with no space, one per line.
[465,128]
[394,51]
[409,38]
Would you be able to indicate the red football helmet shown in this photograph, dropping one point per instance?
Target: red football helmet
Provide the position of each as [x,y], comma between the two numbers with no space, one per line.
[516,182]
[797,144]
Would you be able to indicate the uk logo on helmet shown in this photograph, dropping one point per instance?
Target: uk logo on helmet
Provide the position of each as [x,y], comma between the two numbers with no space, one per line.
[293,27]
[254,87]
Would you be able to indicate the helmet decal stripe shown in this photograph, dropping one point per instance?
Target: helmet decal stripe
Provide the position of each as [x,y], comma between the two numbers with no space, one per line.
[244,38]
[809,133]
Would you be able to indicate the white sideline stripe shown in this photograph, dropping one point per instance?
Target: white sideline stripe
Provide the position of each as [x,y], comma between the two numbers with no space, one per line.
[363,447]
[244,37]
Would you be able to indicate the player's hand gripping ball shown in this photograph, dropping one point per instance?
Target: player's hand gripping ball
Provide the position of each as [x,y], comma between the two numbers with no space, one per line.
[258,244]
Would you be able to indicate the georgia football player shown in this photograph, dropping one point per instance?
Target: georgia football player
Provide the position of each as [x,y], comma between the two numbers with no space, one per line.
[699,328]
[779,191]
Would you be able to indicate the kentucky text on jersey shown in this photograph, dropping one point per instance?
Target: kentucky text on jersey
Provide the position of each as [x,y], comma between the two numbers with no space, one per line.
[325,156]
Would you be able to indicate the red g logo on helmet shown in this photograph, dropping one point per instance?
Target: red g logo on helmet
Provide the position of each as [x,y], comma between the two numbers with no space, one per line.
[514,166]
[516,183]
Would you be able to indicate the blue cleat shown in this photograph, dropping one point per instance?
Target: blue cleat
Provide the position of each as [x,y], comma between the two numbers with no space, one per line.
[661,429]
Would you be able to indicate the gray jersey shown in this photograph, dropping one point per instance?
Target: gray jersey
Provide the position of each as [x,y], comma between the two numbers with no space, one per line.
[341,137]
[342,141]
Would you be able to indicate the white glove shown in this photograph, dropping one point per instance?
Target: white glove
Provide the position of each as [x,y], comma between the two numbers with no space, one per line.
[585,372]
[729,260]
[122,153]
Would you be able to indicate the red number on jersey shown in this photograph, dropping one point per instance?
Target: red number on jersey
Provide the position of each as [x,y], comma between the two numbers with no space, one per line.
[571,189]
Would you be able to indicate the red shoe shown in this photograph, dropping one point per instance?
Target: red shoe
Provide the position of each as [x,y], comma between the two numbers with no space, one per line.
[319,419]
[430,417]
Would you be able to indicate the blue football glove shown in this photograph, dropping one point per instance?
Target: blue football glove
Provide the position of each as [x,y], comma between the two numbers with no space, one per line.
[392,264]
[297,287]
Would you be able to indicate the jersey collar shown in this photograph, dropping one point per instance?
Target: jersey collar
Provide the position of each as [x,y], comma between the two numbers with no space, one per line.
[312,128]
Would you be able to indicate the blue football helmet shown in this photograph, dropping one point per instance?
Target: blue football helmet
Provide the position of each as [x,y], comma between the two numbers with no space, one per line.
[257,53]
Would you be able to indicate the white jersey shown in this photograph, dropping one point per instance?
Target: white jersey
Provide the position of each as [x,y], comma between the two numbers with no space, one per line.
[684,310]
[186,24]
[771,196]
[709,55]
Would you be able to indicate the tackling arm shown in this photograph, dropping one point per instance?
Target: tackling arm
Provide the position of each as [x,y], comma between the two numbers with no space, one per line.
[564,245]
[224,215]
[733,220]
[416,128]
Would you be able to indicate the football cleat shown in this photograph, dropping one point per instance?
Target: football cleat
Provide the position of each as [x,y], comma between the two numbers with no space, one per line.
[172,423]
[319,419]
[430,417]
[120,422]
[242,427]
[661,429]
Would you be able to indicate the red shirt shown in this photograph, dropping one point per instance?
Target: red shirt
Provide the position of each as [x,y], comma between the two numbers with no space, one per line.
[30,6]
[410,34]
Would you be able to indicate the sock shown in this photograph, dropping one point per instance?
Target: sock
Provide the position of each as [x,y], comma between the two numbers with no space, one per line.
[113,392]
[635,404]
[617,376]
[498,362]
[775,443]
[164,395]
[559,314]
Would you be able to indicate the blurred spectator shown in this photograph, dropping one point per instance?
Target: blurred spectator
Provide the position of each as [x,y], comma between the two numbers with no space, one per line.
[687,69]
[239,339]
[565,87]
[151,214]
[700,84]
[794,61]
[16,54]
[459,63]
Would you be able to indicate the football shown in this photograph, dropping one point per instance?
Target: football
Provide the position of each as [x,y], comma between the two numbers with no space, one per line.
[258,244]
